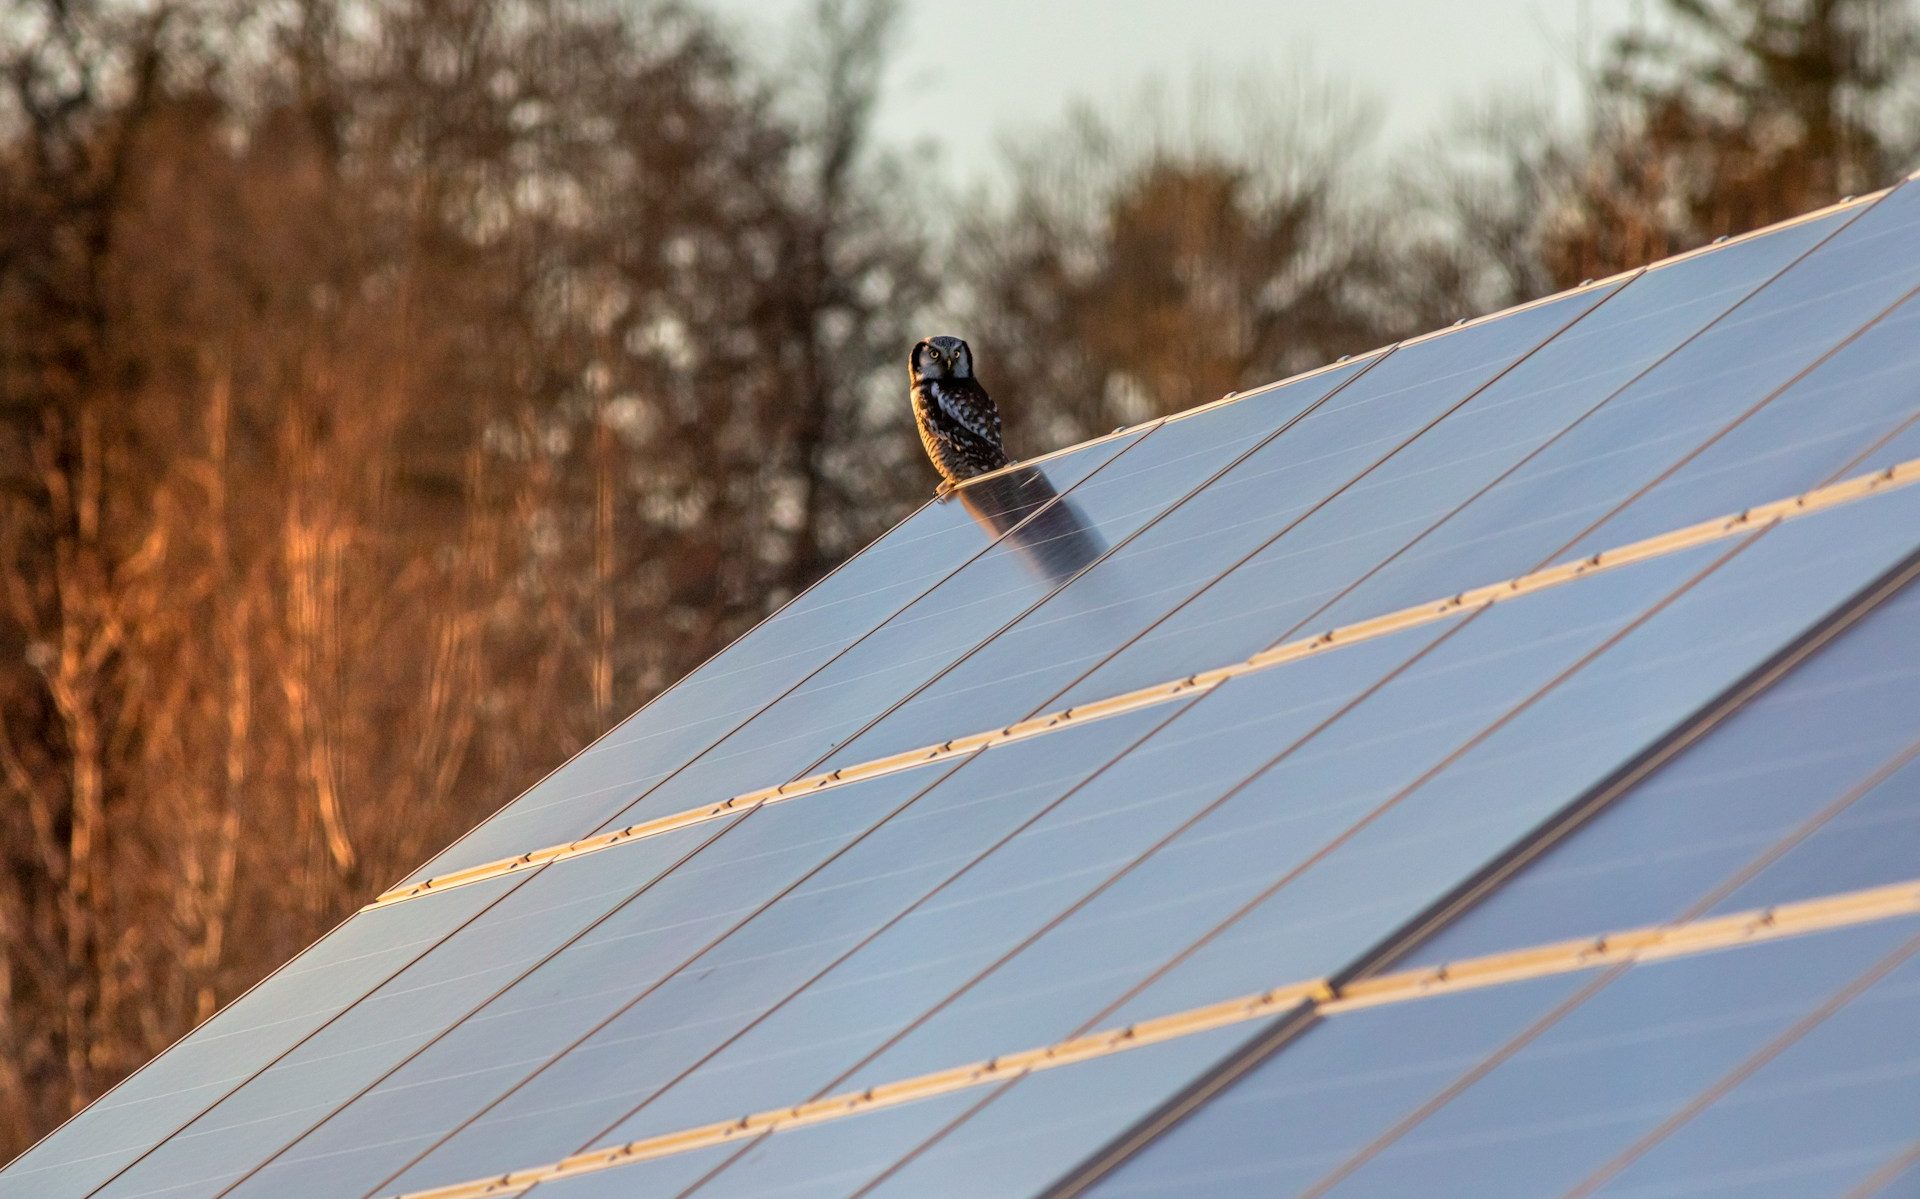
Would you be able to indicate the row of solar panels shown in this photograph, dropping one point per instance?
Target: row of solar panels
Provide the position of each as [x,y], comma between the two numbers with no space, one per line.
[1784,1068]
[1280,827]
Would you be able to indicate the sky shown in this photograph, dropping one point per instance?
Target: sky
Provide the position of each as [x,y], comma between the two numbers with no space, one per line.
[966,72]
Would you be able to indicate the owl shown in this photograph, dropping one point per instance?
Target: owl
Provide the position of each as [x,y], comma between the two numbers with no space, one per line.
[958,423]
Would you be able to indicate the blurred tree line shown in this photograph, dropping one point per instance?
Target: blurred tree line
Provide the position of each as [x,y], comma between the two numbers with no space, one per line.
[395,393]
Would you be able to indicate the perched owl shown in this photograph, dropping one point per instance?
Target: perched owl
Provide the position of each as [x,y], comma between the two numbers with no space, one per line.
[958,423]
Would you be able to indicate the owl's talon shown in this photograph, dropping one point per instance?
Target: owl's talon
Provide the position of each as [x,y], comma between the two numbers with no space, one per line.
[942,489]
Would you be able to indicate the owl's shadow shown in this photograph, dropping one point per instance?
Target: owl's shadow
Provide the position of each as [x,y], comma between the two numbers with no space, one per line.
[1022,508]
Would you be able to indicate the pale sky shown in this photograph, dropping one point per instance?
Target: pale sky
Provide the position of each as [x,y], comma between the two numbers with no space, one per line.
[968,71]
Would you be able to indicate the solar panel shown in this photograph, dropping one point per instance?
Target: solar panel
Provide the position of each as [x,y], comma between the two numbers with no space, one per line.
[1803,791]
[805,635]
[1526,1088]
[1814,1111]
[1770,806]
[1473,499]
[1590,1078]
[1353,433]
[243,1038]
[792,736]
[618,1014]
[1383,755]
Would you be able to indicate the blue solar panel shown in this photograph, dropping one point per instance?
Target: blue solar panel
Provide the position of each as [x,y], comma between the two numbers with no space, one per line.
[1282,817]
[794,734]
[1633,1053]
[1485,494]
[1026,1133]
[1526,1089]
[1804,791]
[1817,1117]
[817,1037]
[1356,434]
[1018,1139]
[805,635]
[641,1012]
[244,1038]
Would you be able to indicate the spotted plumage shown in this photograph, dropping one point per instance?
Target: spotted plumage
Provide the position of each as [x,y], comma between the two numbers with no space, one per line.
[958,424]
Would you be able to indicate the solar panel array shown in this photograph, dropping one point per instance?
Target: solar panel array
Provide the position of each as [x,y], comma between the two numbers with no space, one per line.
[1487,765]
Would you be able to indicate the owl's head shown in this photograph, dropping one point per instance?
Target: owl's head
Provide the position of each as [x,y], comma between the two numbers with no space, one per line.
[941,358]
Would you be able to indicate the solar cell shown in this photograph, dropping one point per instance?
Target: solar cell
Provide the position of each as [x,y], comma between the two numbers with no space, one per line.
[988,906]
[1829,423]
[1304,1110]
[1043,1123]
[443,986]
[1544,509]
[1022,1137]
[1549,1111]
[1816,1119]
[1498,790]
[1351,834]
[1874,840]
[829,1159]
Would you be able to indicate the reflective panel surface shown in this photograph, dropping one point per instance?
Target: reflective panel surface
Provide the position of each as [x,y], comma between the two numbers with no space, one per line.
[1525,1088]
[1683,839]
[644,934]
[899,978]
[1021,1138]
[442,987]
[658,1032]
[1365,432]
[1324,1095]
[1465,503]
[1541,512]
[1819,1117]
[790,645]
[1552,750]
[237,1043]
[795,733]
[1593,1081]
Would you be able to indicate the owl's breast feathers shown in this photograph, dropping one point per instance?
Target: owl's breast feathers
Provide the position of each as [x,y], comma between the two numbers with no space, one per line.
[959,426]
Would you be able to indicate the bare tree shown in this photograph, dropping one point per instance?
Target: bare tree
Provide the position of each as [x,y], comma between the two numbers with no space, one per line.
[1145,262]
[1713,117]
